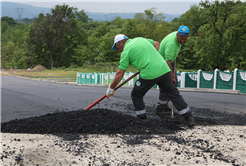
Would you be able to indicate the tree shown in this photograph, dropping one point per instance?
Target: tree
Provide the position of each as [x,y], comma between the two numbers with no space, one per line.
[118,22]
[175,20]
[27,20]
[9,20]
[18,33]
[130,28]
[58,34]
[149,21]
[4,27]
[40,17]
[81,16]
[193,18]
[186,58]
[99,44]
[7,55]
[222,38]
[105,54]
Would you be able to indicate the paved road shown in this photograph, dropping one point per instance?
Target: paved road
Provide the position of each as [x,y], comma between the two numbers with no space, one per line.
[22,98]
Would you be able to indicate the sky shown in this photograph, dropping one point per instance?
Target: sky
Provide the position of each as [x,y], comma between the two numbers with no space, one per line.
[118,6]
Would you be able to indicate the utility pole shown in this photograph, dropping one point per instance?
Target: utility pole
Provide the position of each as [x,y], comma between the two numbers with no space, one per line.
[106,17]
[113,15]
[19,11]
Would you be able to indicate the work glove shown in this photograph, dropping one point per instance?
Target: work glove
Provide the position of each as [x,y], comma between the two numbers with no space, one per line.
[109,92]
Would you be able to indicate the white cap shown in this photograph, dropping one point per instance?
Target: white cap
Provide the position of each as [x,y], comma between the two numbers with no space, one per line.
[118,38]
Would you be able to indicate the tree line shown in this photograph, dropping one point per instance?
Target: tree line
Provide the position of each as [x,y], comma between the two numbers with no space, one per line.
[67,37]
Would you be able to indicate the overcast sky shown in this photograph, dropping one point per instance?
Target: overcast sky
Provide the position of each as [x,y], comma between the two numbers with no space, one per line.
[118,6]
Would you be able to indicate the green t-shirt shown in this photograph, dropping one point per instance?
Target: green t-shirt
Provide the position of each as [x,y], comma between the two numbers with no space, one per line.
[141,54]
[169,47]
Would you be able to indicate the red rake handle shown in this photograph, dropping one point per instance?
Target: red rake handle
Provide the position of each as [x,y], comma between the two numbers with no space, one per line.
[120,85]
[92,105]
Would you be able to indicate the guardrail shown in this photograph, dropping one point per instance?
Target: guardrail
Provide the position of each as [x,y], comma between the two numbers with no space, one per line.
[216,79]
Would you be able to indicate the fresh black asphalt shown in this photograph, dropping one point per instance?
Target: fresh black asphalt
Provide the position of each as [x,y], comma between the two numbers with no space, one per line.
[22,98]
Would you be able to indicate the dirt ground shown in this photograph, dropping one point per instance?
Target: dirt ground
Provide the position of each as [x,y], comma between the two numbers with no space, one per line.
[11,71]
[14,70]
[108,137]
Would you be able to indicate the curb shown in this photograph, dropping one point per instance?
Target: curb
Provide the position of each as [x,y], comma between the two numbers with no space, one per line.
[206,90]
[180,89]
[210,90]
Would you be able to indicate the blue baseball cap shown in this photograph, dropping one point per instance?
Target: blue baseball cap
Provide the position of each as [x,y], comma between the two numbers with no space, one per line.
[118,38]
[183,31]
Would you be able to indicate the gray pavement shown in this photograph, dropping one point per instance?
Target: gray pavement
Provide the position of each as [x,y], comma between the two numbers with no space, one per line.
[22,98]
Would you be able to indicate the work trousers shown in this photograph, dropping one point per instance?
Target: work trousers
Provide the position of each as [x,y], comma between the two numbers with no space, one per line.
[162,95]
[164,82]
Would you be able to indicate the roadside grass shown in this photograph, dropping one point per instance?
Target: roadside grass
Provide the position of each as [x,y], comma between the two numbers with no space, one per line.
[46,73]
[65,73]
[70,73]
[187,70]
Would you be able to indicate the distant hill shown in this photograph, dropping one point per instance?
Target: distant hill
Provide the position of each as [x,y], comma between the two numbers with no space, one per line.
[11,9]
[111,16]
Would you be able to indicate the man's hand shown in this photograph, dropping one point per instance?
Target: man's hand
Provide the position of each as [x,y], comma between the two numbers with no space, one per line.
[174,81]
[109,92]
[172,72]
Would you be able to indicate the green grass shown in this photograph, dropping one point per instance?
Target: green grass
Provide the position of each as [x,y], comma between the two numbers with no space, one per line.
[67,72]
[71,73]
[188,70]
[57,72]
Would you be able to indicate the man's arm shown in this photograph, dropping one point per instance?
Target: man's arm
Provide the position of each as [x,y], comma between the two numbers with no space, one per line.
[156,45]
[118,77]
[169,62]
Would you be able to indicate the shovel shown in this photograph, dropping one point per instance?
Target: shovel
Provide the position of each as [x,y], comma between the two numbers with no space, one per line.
[117,87]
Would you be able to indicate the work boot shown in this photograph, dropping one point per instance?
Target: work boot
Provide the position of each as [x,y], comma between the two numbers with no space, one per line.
[190,121]
[142,116]
[163,109]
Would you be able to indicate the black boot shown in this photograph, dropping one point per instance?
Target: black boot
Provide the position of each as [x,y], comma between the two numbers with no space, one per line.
[142,116]
[190,121]
[162,109]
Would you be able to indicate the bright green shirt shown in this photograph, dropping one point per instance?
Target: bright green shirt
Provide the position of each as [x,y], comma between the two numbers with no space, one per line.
[141,54]
[169,47]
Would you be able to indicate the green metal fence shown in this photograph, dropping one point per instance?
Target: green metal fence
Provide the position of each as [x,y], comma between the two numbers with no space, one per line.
[125,77]
[78,78]
[99,78]
[224,80]
[81,78]
[105,78]
[241,81]
[191,79]
[111,77]
[207,79]
[202,79]
[179,79]
[87,78]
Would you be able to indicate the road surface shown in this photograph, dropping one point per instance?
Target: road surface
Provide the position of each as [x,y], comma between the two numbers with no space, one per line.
[22,98]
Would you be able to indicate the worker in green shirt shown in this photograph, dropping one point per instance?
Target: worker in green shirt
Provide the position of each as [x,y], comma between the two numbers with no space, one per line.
[140,53]
[169,49]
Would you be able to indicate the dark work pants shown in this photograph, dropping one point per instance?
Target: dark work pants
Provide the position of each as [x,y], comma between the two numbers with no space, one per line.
[164,82]
[162,95]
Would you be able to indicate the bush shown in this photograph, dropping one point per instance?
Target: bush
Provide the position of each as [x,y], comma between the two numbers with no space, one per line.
[22,63]
[73,66]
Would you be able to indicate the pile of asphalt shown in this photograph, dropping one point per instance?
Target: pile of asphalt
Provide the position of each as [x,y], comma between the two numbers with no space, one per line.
[96,121]
[105,121]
